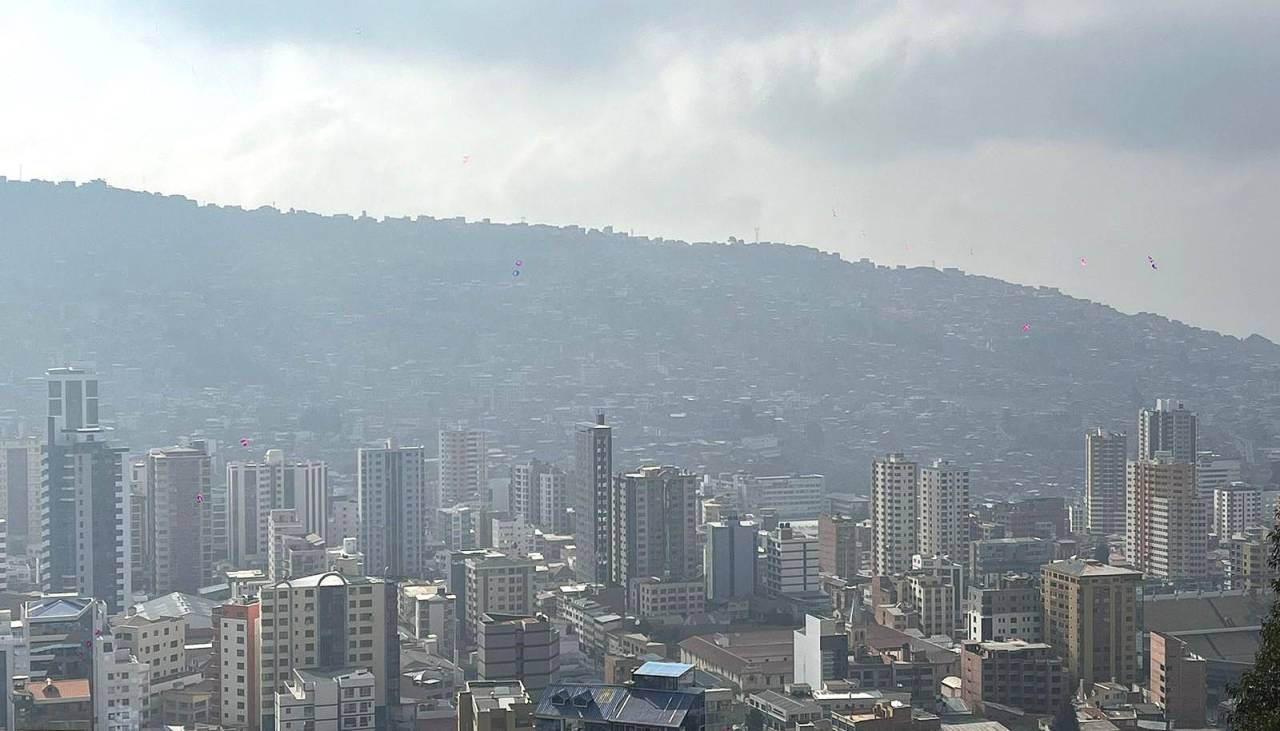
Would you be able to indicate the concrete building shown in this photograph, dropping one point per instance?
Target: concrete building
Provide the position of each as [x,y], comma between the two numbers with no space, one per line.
[187,535]
[594,478]
[1212,472]
[20,493]
[121,688]
[729,559]
[1011,610]
[750,660]
[293,551]
[429,610]
[943,494]
[236,663]
[331,621]
[654,527]
[495,583]
[326,699]
[84,504]
[821,653]
[1165,518]
[1248,564]
[839,545]
[526,492]
[1169,427]
[894,522]
[1236,508]
[1105,456]
[254,489]
[1178,681]
[464,467]
[660,600]
[799,497]
[1091,617]
[501,705]
[790,562]
[159,643]
[391,491]
[933,598]
[993,558]
[1019,674]
[518,647]
[553,501]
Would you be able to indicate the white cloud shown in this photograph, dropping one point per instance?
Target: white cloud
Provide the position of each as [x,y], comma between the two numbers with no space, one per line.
[915,122]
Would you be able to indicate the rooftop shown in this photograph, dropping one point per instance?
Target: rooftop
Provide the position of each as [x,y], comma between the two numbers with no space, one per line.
[1090,568]
[663,669]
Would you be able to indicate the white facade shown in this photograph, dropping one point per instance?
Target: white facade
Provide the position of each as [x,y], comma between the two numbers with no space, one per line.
[944,511]
[159,643]
[255,489]
[893,514]
[1236,506]
[512,535]
[793,496]
[336,700]
[1213,472]
[553,500]
[464,470]
[933,598]
[121,688]
[790,561]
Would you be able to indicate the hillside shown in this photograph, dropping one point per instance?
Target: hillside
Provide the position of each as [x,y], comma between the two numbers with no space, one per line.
[319,333]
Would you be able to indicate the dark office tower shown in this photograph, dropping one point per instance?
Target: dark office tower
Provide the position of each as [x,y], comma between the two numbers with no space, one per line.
[1104,481]
[1169,427]
[187,537]
[20,491]
[654,524]
[391,486]
[84,504]
[594,470]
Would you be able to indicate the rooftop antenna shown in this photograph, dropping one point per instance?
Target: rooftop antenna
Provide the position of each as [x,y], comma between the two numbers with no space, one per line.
[757,234]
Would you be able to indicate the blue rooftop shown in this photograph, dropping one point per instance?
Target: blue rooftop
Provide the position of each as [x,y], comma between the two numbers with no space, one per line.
[663,669]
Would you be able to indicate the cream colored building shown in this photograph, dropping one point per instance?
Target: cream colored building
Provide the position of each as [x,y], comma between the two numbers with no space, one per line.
[893,514]
[944,510]
[1165,519]
[1090,616]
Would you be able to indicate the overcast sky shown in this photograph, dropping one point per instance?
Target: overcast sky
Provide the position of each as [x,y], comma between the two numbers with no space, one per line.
[1005,138]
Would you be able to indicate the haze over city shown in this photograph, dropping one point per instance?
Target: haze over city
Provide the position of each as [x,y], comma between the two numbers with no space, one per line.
[639,366]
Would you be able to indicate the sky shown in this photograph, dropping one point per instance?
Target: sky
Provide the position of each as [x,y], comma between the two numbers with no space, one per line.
[1050,143]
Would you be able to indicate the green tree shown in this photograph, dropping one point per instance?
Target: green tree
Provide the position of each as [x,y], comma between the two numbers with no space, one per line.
[1065,719]
[1257,700]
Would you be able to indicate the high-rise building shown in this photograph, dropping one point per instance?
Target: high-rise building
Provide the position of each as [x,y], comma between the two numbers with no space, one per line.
[1166,526]
[1178,681]
[1236,507]
[1212,472]
[84,503]
[1104,481]
[820,652]
[654,521]
[729,559]
[526,492]
[1091,617]
[235,663]
[553,500]
[944,510]
[990,559]
[294,551]
[464,467]
[254,489]
[893,513]
[495,583]
[391,489]
[330,621]
[1169,427]
[20,492]
[790,562]
[839,550]
[593,470]
[185,545]
[518,647]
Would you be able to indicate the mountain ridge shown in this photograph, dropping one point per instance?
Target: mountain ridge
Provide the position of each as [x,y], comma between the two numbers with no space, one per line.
[398,324]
